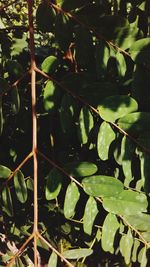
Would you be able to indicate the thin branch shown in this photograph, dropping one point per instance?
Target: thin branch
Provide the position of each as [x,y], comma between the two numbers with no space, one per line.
[92,108]
[20,250]
[54,164]
[55,250]
[34,129]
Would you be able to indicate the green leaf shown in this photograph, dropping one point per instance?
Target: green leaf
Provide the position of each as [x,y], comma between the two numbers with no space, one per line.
[86,123]
[7,201]
[127,152]
[15,100]
[142,258]
[52,262]
[71,198]
[146,236]
[106,136]
[77,253]
[115,107]
[145,169]
[140,51]
[140,222]
[68,113]
[110,227]
[81,169]
[102,186]
[20,187]
[126,203]
[135,123]
[126,244]
[1,116]
[4,172]
[19,263]
[4,86]
[90,213]
[51,96]
[135,250]
[122,67]
[50,64]
[45,17]
[102,56]
[53,184]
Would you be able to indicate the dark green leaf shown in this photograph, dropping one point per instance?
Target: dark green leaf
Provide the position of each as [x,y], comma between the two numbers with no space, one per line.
[53,184]
[20,187]
[15,100]
[4,86]
[7,201]
[1,116]
[4,172]
[45,17]
[102,186]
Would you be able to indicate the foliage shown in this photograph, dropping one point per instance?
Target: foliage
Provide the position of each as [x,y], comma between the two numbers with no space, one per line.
[93,112]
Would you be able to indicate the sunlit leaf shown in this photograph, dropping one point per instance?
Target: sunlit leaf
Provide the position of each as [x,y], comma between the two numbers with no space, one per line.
[50,64]
[77,253]
[106,135]
[136,245]
[102,186]
[140,51]
[110,227]
[52,262]
[140,221]
[126,203]
[126,244]
[115,107]
[51,96]
[90,213]
[20,187]
[71,198]
[142,258]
